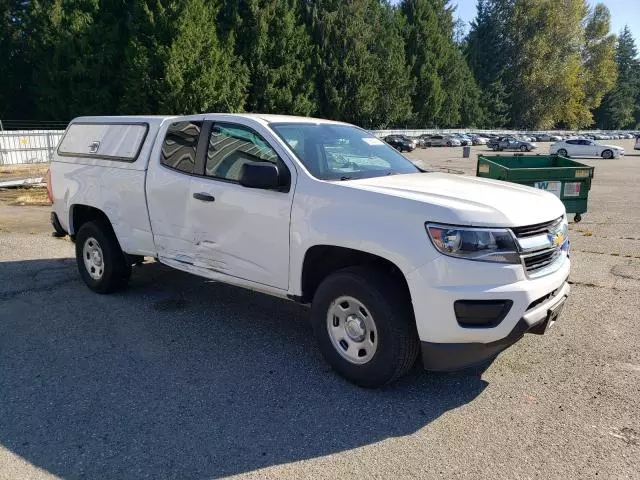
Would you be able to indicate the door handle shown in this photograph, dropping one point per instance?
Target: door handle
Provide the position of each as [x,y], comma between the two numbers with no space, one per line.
[204,197]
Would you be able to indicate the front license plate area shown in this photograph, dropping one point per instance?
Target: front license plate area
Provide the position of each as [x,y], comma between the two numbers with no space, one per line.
[553,314]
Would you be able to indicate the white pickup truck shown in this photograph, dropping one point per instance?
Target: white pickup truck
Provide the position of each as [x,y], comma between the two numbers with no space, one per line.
[395,262]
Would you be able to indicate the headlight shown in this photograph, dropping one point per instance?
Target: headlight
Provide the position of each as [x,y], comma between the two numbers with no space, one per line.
[480,244]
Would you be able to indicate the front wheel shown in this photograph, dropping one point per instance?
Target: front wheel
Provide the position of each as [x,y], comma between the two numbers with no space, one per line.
[365,327]
[607,154]
[523,148]
[562,152]
[102,263]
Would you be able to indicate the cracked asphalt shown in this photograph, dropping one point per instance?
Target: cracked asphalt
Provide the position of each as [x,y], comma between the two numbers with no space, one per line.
[182,378]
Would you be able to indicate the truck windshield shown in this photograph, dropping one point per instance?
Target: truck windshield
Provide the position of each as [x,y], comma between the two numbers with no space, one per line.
[341,152]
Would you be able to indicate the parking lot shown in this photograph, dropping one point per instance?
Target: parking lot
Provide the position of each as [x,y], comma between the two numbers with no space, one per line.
[178,377]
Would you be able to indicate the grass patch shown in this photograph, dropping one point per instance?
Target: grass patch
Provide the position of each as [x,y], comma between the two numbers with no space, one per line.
[10,172]
[24,197]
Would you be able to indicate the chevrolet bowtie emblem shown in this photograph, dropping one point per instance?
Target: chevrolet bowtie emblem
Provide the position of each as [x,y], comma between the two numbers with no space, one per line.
[557,238]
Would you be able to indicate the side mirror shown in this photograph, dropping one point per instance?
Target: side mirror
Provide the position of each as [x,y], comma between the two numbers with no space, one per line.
[263,175]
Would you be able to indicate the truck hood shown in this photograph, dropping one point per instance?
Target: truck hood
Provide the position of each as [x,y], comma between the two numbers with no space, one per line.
[464,200]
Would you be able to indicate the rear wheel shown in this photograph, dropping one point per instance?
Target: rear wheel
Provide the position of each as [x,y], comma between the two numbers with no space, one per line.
[562,152]
[448,144]
[101,261]
[365,327]
[607,154]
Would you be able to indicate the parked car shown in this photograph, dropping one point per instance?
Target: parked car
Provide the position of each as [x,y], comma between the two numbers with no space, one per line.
[477,139]
[442,141]
[511,143]
[546,137]
[324,214]
[637,145]
[419,141]
[524,138]
[464,139]
[583,147]
[401,143]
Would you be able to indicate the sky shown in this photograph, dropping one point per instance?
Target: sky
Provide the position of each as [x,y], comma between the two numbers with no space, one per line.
[622,12]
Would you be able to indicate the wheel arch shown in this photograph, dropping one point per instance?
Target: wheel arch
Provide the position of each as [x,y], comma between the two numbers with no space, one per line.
[79,214]
[320,261]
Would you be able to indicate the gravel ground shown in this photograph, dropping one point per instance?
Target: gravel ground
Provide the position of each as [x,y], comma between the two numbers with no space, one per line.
[182,378]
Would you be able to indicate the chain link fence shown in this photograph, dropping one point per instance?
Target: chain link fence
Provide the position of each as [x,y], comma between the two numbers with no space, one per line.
[24,142]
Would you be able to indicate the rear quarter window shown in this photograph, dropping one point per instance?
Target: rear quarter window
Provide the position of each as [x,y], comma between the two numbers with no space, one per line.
[180,145]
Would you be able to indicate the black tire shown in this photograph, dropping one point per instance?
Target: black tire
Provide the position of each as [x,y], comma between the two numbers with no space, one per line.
[428,144]
[116,271]
[524,148]
[448,144]
[562,152]
[607,154]
[390,307]
[577,217]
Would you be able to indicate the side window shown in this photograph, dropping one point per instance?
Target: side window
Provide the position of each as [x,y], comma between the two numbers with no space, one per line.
[231,146]
[179,146]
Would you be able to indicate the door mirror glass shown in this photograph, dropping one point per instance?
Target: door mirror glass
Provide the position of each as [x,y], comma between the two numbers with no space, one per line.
[263,175]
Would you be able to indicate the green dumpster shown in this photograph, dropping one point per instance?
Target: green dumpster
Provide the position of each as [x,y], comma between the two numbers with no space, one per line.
[567,179]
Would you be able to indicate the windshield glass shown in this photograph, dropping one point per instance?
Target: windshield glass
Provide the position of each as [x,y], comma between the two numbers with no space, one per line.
[341,152]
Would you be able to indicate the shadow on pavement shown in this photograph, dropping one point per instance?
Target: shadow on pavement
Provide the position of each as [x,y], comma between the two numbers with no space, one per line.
[177,377]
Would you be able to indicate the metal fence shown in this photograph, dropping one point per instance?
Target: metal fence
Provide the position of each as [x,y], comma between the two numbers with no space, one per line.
[28,146]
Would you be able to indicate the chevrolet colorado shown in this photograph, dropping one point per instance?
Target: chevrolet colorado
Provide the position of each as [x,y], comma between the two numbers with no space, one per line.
[396,263]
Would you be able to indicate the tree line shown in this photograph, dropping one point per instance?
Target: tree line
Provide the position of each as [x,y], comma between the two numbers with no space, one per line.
[524,63]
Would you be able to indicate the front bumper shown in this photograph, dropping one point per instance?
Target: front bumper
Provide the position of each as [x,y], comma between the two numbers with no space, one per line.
[454,356]
[436,286]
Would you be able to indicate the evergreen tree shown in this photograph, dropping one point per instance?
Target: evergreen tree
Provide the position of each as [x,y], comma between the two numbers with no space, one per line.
[202,73]
[393,106]
[445,92]
[151,26]
[274,43]
[425,51]
[14,97]
[76,51]
[621,107]
[360,70]
[176,62]
[489,53]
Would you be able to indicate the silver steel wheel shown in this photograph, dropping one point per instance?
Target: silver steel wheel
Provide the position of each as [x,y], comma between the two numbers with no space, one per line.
[93,258]
[352,330]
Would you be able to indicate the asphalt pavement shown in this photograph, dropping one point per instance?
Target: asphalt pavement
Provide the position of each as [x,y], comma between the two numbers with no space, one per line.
[178,377]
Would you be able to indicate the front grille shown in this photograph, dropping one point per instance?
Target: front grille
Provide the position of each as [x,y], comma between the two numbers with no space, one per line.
[538,261]
[537,229]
